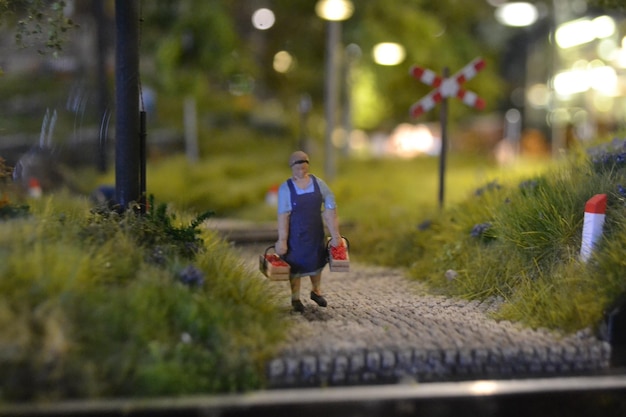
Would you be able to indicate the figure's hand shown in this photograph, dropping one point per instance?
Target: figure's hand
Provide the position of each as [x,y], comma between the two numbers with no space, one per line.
[280,247]
[336,242]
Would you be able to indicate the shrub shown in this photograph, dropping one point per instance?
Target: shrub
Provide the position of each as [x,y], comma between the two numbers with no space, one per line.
[521,242]
[8,209]
[86,312]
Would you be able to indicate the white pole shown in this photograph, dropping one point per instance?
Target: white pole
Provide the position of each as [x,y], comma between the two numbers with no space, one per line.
[191,129]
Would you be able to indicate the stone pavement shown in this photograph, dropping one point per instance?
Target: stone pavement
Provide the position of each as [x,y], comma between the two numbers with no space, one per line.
[380,327]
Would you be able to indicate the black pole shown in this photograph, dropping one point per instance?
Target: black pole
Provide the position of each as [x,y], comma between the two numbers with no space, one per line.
[101,80]
[127,158]
[142,161]
[443,118]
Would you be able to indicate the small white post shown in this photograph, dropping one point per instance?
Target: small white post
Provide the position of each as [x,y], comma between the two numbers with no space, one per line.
[595,212]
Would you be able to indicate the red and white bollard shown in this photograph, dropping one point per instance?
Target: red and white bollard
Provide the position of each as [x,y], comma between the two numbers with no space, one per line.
[271,197]
[34,188]
[595,211]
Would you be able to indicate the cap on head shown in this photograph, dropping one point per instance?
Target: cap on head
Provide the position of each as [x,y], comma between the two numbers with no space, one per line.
[298,157]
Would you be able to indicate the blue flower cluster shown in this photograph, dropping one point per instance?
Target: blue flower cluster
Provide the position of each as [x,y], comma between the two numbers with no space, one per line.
[425,225]
[493,185]
[608,158]
[610,154]
[480,229]
[191,276]
[529,185]
[157,256]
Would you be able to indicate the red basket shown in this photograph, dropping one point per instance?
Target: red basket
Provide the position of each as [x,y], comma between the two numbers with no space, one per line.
[339,257]
[273,266]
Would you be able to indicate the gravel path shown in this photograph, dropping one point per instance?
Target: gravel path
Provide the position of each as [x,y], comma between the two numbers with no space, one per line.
[380,327]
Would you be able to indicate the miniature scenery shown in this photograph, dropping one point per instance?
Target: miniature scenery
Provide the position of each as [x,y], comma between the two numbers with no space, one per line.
[194,201]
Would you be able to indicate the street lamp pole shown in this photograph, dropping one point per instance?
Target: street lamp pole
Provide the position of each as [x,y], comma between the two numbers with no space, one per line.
[334,11]
[351,53]
[331,95]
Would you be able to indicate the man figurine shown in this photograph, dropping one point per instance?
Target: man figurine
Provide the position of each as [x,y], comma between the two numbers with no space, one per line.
[305,203]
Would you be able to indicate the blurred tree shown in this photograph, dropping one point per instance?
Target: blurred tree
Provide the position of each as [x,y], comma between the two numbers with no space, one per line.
[211,47]
[194,44]
[43,24]
[435,35]
[609,4]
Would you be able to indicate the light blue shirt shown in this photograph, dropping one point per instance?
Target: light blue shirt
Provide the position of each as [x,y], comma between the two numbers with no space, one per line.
[284,196]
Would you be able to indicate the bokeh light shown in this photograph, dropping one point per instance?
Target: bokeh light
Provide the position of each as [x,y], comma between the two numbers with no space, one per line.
[334,10]
[283,62]
[538,95]
[582,31]
[263,19]
[517,14]
[389,53]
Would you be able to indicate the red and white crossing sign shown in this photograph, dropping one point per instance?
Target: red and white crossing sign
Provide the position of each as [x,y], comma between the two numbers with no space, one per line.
[447,87]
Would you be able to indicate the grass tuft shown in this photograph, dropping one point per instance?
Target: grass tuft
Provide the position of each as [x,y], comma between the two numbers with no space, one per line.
[521,242]
[86,312]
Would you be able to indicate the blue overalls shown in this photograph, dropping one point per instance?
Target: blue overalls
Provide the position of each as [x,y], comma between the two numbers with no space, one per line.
[306,252]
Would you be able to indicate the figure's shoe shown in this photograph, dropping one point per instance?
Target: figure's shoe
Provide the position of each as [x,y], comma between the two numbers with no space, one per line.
[297,306]
[321,301]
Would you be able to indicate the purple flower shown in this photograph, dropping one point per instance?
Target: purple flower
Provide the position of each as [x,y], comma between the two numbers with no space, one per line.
[621,190]
[493,185]
[191,276]
[528,185]
[425,225]
[479,229]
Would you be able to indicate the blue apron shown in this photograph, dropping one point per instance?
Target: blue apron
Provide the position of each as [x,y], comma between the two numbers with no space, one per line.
[306,252]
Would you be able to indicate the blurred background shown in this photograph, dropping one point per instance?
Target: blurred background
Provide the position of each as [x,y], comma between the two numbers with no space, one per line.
[331,77]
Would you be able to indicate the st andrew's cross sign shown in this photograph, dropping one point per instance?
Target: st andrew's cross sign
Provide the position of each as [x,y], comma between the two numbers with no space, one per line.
[446,87]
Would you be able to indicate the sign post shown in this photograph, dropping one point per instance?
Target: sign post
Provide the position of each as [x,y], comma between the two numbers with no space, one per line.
[443,120]
[446,87]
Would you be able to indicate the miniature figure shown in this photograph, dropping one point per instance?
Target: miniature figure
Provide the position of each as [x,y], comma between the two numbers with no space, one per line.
[305,203]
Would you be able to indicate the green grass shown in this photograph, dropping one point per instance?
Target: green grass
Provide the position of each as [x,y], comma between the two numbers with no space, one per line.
[388,199]
[87,310]
[529,255]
